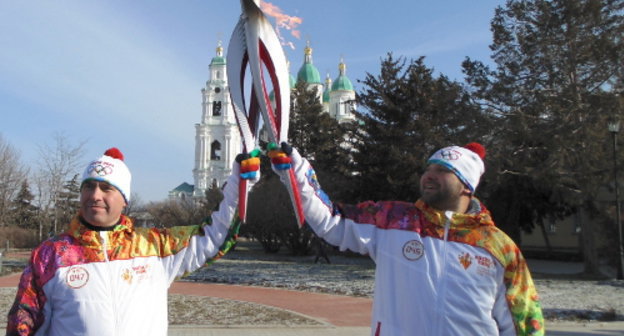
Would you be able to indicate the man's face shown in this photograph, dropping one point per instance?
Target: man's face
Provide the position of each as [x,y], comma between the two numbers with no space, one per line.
[441,188]
[101,204]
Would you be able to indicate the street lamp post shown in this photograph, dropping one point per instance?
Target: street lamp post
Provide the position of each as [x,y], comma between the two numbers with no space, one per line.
[614,128]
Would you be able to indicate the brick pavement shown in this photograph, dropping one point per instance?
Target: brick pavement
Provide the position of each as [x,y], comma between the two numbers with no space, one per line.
[337,310]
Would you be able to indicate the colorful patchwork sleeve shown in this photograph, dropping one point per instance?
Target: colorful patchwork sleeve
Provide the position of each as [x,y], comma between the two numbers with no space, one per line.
[26,315]
[230,240]
[520,296]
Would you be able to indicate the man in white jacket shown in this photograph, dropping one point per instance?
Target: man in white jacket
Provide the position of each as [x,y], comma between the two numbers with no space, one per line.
[442,266]
[103,276]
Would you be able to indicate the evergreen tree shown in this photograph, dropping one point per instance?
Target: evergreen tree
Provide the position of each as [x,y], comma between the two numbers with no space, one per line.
[270,215]
[409,113]
[213,197]
[322,140]
[557,77]
[24,213]
[68,200]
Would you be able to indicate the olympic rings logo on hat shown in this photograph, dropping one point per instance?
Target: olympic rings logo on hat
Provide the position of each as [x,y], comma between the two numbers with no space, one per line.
[450,154]
[101,170]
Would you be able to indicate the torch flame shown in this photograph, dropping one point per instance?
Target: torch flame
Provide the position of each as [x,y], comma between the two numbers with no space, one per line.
[282,21]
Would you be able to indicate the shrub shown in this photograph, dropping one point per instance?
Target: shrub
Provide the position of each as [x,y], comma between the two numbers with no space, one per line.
[18,237]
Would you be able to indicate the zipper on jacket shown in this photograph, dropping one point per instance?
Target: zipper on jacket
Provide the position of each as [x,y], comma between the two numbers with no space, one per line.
[443,280]
[111,283]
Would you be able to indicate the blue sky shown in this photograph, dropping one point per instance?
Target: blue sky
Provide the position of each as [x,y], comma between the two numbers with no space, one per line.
[129,73]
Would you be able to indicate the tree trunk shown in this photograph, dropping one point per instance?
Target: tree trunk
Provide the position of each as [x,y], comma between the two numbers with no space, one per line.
[590,256]
[545,235]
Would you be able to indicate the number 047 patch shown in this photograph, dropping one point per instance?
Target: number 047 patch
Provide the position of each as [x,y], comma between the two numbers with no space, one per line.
[413,250]
[77,277]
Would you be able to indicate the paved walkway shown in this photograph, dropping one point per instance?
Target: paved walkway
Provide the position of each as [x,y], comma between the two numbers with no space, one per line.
[343,315]
[335,310]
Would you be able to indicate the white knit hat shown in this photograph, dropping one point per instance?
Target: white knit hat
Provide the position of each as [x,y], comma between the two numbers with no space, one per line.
[111,169]
[466,162]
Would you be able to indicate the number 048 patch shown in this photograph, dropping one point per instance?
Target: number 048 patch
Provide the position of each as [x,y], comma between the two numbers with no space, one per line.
[77,277]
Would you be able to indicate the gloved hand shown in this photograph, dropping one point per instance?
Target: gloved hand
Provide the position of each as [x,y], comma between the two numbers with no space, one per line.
[249,165]
[280,156]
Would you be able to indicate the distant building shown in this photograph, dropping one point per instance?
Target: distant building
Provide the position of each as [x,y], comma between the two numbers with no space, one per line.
[182,191]
[565,235]
[217,138]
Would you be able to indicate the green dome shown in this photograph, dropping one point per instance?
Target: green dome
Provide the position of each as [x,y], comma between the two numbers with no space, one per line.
[326,95]
[292,81]
[218,60]
[342,83]
[309,74]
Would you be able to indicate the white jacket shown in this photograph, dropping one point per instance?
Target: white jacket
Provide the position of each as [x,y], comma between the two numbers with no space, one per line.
[92,283]
[436,273]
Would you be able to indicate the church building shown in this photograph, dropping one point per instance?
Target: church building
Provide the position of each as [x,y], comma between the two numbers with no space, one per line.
[217,138]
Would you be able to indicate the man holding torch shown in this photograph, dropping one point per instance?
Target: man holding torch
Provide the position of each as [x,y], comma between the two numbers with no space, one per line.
[442,266]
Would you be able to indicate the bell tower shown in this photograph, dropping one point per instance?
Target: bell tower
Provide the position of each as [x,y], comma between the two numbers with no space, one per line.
[217,138]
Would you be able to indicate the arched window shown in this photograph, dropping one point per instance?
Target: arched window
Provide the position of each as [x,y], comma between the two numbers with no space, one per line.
[216,108]
[215,151]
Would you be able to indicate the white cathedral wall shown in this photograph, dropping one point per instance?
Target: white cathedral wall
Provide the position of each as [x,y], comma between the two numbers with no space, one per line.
[340,105]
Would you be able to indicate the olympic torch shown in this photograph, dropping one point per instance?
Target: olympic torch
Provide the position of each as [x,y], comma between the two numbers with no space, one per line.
[255,45]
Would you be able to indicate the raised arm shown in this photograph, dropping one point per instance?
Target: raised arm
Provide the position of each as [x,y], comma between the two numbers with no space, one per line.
[324,217]
[193,246]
